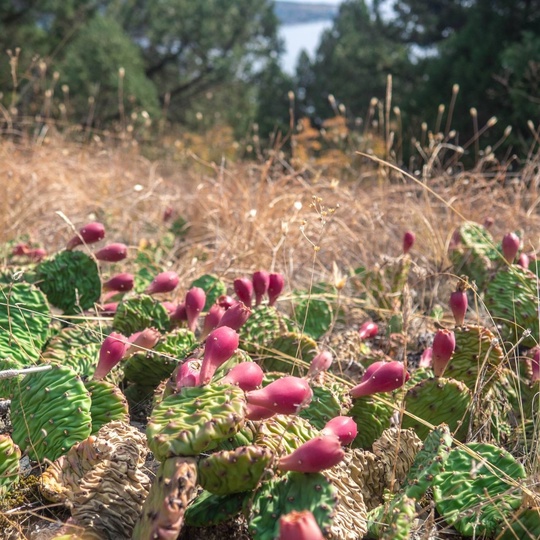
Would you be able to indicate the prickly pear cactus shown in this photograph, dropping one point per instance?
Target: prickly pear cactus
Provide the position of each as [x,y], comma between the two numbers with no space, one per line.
[10,455]
[392,521]
[163,511]
[324,406]
[209,509]
[70,280]
[525,523]
[511,298]
[195,420]
[479,488]
[260,330]
[50,412]
[438,400]
[285,351]
[108,404]
[313,314]
[212,286]
[372,416]
[138,313]
[293,491]
[234,471]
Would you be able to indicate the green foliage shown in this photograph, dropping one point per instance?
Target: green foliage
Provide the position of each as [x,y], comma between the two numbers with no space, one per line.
[212,286]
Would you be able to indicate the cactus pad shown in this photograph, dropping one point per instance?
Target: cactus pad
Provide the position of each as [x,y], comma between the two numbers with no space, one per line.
[260,330]
[313,314]
[213,288]
[50,412]
[324,406]
[283,354]
[10,455]
[138,313]
[195,420]
[209,509]
[108,404]
[372,416]
[394,520]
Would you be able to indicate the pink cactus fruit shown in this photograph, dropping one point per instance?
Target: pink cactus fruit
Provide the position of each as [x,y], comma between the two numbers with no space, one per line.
[256,413]
[168,213]
[243,287]
[163,283]
[342,427]
[444,344]
[458,304]
[37,254]
[261,281]
[179,314]
[89,234]
[247,375]
[510,246]
[112,253]
[143,341]
[535,364]
[283,396]
[112,350]
[299,525]
[219,347]
[236,316]
[488,222]
[188,374]
[120,282]
[313,456]
[20,249]
[109,309]
[211,321]
[194,302]
[276,284]
[368,330]
[524,260]
[385,378]
[320,363]
[408,241]
[226,301]
[426,358]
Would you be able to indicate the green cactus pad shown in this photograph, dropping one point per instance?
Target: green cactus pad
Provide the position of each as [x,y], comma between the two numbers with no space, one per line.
[195,420]
[25,319]
[392,521]
[163,511]
[324,406]
[429,461]
[243,437]
[478,489]
[7,386]
[284,433]
[234,471]
[152,367]
[512,300]
[209,509]
[70,281]
[438,400]
[525,523]
[477,353]
[260,330]
[50,412]
[283,354]
[372,417]
[212,286]
[138,313]
[108,404]
[10,455]
[313,314]
[293,491]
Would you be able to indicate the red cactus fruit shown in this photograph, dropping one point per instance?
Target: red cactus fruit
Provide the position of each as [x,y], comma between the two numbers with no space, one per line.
[371,369]
[524,260]
[109,309]
[426,358]
[368,330]
[120,282]
[247,375]
[510,246]
[443,347]
[243,287]
[284,396]
[261,281]
[256,413]
[342,427]
[169,306]
[194,302]
[321,362]
[179,314]
[299,525]
[235,316]
[21,249]
[276,284]
[112,253]
[313,456]
[111,352]
[89,234]
[535,364]
[211,321]
[408,241]
[143,341]
[219,347]
[388,377]
[458,304]
[37,254]
[226,301]
[163,283]
[188,374]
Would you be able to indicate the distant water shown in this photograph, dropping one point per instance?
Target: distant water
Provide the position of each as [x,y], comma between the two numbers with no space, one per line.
[300,36]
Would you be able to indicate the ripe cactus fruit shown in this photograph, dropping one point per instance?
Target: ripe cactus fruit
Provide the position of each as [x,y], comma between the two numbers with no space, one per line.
[50,412]
[195,420]
[243,287]
[459,303]
[219,347]
[284,396]
[236,316]
[444,344]
[408,241]
[368,330]
[174,487]
[261,281]
[342,427]
[112,350]
[194,302]
[163,283]
[321,362]
[299,526]
[389,376]
[510,246]
[247,375]
[211,321]
[212,286]
[142,341]
[10,456]
[276,283]
[313,456]
[89,234]
[120,283]
[112,253]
